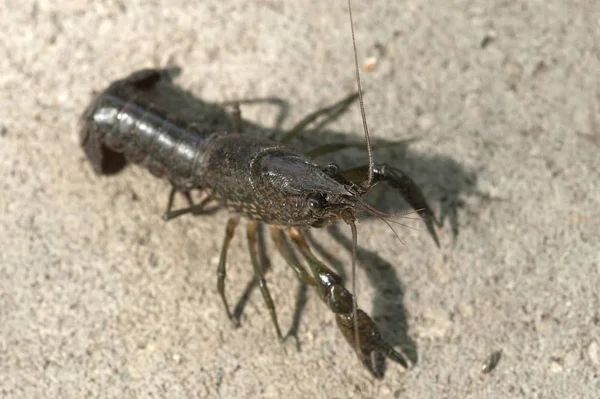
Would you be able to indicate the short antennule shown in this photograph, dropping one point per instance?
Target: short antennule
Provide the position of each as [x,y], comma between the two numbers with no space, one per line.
[360,99]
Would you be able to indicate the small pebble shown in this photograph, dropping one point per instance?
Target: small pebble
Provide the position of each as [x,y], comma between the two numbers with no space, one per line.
[370,64]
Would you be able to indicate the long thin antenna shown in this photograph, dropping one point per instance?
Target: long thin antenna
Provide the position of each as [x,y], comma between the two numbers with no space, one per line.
[360,99]
[354,304]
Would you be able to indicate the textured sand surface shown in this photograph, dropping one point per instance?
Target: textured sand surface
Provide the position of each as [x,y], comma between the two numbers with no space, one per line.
[100,298]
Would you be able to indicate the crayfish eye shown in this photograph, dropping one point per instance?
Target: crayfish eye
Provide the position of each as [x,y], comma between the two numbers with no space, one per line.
[332,169]
[315,202]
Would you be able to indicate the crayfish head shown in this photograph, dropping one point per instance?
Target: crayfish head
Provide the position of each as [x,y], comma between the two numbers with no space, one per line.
[302,193]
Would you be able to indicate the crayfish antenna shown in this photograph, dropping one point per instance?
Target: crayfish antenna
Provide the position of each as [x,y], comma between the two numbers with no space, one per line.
[357,344]
[360,99]
[370,179]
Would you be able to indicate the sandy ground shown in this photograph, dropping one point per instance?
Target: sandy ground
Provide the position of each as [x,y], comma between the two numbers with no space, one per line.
[497,106]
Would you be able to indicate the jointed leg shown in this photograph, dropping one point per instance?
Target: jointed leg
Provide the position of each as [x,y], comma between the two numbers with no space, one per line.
[281,104]
[334,109]
[280,243]
[221,270]
[258,272]
[193,208]
[172,197]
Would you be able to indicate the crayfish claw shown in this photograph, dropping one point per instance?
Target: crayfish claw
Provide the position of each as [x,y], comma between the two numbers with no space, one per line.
[372,347]
[411,193]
